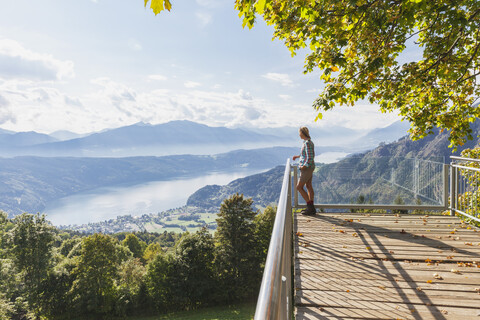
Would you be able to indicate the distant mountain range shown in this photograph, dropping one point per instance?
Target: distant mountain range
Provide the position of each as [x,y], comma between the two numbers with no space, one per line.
[184,137]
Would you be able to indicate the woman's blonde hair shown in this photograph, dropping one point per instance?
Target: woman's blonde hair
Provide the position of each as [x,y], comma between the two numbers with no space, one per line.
[305,132]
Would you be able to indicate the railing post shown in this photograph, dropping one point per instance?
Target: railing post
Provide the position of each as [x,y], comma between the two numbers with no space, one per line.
[453,194]
[445,185]
[295,182]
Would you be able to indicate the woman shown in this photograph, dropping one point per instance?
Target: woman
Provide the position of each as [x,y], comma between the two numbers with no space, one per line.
[307,166]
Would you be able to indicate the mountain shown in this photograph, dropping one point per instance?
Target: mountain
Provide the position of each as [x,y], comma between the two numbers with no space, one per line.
[264,188]
[24,139]
[3,131]
[382,175]
[64,135]
[390,133]
[175,137]
[27,184]
[330,136]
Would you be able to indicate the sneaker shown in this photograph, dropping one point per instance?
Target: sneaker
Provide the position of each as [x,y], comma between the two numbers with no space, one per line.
[311,211]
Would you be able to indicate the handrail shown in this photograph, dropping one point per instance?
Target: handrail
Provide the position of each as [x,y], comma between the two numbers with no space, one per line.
[275,297]
[463,192]
[464,159]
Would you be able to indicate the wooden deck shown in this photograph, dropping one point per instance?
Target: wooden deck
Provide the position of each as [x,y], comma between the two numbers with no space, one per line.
[386,266]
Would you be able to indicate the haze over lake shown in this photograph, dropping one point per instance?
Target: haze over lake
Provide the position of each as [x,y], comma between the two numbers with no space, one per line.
[152,197]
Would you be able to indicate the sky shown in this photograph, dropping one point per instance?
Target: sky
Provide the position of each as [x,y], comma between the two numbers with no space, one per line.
[89,65]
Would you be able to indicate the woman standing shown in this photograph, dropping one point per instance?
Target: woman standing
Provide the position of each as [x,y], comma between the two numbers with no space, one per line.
[307,166]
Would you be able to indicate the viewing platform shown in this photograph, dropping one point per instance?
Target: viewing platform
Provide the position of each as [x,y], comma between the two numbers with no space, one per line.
[377,265]
[385,266]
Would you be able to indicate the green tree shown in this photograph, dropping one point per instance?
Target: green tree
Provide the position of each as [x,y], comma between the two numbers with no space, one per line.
[131,285]
[161,275]
[94,290]
[151,251]
[136,246]
[236,260]
[263,231]
[194,254]
[360,47]
[31,241]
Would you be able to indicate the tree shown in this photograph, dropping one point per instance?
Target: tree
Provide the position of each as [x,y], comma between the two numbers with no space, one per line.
[263,231]
[96,270]
[136,246]
[161,275]
[358,45]
[237,263]
[194,254]
[31,242]
[151,251]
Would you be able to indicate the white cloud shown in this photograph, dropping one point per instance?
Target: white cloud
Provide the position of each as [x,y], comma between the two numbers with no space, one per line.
[134,45]
[17,62]
[283,78]
[158,77]
[204,18]
[285,97]
[192,84]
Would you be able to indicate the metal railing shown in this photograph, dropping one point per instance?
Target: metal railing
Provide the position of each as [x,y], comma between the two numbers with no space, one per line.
[422,184]
[464,187]
[275,300]
[275,297]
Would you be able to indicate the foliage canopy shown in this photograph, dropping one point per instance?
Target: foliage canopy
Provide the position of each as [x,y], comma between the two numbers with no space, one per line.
[363,48]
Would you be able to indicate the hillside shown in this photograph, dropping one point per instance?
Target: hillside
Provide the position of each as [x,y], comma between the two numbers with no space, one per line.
[381,176]
[28,183]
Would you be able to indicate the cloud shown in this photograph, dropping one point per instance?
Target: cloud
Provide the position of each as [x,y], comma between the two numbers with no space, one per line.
[17,62]
[158,77]
[73,101]
[204,18]
[191,84]
[119,95]
[283,78]
[285,97]
[134,45]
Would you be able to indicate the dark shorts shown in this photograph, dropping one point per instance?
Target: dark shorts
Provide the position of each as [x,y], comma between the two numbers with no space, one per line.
[306,174]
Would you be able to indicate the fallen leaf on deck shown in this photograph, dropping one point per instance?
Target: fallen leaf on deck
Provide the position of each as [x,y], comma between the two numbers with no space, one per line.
[429,281]
[454,271]
[437,276]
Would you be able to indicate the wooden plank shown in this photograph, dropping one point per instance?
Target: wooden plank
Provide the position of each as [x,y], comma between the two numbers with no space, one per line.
[354,298]
[384,266]
[338,284]
[371,265]
[391,312]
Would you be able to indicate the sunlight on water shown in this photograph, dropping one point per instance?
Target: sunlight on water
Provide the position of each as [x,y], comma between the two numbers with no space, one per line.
[108,203]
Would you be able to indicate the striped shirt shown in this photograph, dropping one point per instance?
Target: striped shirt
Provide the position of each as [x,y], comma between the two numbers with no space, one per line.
[307,156]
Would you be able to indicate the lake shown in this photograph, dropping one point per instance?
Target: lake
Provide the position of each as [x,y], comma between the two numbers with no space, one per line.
[152,197]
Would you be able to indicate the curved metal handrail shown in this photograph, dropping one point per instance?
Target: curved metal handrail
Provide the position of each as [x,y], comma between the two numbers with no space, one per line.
[274,299]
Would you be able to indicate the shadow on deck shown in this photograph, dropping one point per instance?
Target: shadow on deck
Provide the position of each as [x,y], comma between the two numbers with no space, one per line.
[386,266]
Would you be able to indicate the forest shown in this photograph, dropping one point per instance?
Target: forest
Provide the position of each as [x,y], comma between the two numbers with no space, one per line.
[47,273]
